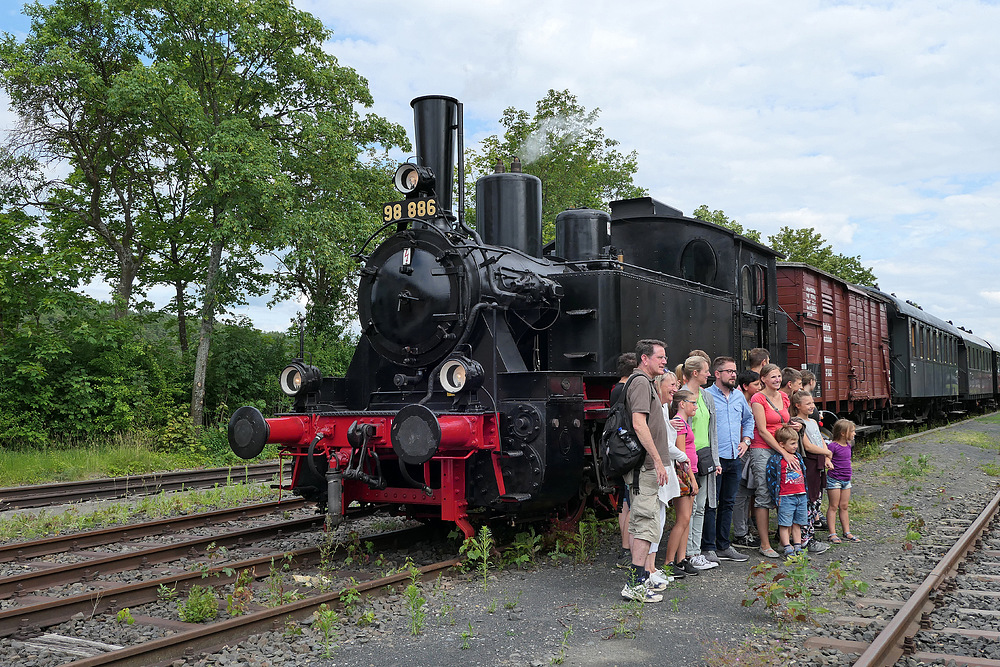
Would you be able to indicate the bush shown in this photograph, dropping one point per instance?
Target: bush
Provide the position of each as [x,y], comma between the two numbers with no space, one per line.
[201,605]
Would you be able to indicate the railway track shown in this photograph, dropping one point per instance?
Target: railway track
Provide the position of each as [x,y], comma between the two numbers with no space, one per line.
[88,567]
[231,631]
[32,615]
[43,495]
[33,612]
[922,625]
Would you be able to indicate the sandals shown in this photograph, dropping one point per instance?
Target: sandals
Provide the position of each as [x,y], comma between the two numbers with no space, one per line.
[834,539]
[851,537]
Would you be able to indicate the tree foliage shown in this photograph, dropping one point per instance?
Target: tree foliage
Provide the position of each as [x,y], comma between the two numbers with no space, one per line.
[720,218]
[808,246]
[804,245]
[563,146]
[61,81]
[199,137]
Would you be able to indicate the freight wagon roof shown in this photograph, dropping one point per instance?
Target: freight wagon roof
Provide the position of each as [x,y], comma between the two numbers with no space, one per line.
[647,207]
[860,289]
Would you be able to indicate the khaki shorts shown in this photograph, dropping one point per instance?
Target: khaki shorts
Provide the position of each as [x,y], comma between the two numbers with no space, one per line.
[644,516]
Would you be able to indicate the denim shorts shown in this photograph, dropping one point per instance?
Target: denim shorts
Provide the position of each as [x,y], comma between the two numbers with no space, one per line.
[832,483]
[792,509]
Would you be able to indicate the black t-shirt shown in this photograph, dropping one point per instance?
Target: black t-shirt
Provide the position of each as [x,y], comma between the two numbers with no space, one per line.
[616,393]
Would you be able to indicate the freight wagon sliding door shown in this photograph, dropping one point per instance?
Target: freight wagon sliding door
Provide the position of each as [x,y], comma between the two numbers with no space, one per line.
[867,373]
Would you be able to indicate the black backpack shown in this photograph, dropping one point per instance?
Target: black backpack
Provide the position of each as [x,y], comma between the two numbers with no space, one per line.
[623,453]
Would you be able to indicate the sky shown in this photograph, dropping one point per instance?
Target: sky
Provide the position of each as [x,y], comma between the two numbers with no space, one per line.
[876,123]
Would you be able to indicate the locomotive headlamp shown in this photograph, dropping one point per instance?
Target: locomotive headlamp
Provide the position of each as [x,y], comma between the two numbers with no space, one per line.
[460,374]
[298,377]
[410,177]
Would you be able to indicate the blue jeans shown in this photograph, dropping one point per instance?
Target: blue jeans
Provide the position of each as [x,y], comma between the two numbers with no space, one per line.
[715,532]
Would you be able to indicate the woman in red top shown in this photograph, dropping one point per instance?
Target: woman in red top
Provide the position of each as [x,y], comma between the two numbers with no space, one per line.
[770,411]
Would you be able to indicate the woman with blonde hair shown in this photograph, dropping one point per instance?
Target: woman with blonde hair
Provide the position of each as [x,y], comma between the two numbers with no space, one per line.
[695,372]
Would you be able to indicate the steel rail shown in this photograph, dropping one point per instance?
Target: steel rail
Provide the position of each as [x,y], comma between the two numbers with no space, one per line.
[20,584]
[27,619]
[887,647]
[124,533]
[41,495]
[237,629]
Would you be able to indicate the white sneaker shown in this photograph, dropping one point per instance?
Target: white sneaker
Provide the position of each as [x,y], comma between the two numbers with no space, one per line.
[640,592]
[654,585]
[700,563]
[660,577]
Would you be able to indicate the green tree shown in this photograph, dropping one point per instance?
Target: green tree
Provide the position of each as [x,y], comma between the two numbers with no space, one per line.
[61,81]
[248,102]
[335,216]
[563,146]
[720,218]
[808,246]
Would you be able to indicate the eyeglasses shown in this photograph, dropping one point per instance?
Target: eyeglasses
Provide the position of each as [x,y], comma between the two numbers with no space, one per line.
[726,370]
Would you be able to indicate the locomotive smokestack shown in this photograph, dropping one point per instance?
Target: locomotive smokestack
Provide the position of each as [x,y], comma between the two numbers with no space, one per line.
[435,124]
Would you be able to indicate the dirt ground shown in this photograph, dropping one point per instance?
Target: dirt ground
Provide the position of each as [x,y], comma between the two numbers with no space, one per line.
[568,614]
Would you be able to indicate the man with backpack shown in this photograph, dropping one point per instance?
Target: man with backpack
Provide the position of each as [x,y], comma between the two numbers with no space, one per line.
[650,429]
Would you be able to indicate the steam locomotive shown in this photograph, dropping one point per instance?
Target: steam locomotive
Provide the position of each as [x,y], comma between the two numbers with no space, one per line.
[480,383]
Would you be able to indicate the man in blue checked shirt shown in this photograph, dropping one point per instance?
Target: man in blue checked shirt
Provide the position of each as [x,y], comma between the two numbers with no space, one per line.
[735,425]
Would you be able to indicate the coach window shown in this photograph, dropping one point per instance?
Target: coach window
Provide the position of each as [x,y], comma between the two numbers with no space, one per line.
[746,289]
[698,262]
[913,338]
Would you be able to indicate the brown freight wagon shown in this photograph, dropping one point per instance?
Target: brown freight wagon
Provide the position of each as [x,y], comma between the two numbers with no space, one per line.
[839,332]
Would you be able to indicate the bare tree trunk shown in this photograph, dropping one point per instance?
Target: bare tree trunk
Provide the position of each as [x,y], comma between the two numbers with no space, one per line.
[182,333]
[126,281]
[205,335]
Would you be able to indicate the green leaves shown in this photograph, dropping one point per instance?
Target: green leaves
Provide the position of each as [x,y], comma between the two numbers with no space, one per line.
[720,218]
[804,245]
[809,247]
[562,145]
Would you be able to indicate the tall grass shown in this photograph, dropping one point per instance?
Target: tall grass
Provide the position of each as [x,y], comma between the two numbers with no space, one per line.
[110,456]
[114,455]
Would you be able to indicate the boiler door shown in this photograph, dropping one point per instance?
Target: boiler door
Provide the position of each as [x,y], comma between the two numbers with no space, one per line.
[412,307]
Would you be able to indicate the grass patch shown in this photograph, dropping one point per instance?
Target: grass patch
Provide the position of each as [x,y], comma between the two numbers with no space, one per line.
[114,455]
[910,469]
[32,525]
[974,439]
[991,469]
[868,449]
[863,509]
[991,419]
[117,455]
